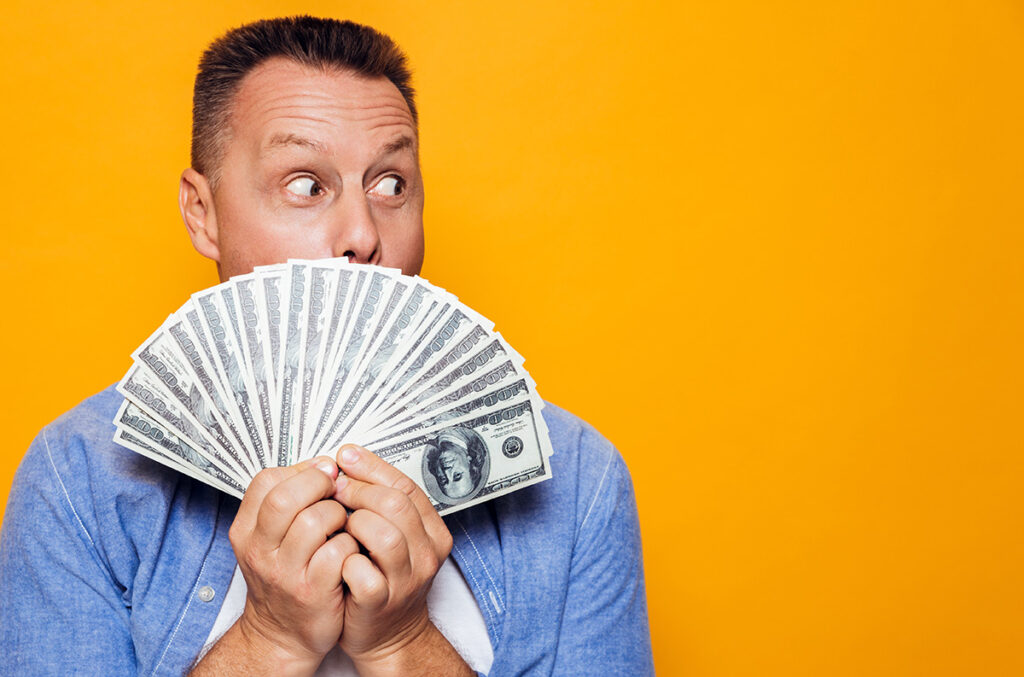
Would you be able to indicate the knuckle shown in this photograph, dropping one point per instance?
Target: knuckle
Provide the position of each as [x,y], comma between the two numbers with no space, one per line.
[343,545]
[356,519]
[336,514]
[406,485]
[445,542]
[308,520]
[264,479]
[391,539]
[376,589]
[332,549]
[238,539]
[395,503]
[278,501]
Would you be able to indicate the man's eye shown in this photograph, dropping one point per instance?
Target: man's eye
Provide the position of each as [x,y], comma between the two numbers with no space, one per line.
[305,187]
[389,186]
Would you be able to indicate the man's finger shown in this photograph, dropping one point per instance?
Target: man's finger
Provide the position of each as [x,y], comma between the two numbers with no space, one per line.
[367,586]
[364,465]
[386,543]
[325,566]
[261,484]
[309,530]
[391,504]
[287,498]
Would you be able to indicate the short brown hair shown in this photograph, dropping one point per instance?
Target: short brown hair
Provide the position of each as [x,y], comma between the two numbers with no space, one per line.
[311,41]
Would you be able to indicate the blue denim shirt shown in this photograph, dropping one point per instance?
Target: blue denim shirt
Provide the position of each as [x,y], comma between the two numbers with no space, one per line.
[111,564]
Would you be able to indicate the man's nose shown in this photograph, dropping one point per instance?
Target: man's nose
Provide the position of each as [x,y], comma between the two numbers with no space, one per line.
[354,231]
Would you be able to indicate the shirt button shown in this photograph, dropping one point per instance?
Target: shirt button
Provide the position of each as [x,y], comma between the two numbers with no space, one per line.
[206,593]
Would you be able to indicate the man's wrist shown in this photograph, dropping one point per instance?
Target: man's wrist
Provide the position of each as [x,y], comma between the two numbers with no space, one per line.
[426,652]
[243,650]
[275,657]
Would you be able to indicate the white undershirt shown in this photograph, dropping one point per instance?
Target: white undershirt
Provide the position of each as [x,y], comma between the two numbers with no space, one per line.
[450,603]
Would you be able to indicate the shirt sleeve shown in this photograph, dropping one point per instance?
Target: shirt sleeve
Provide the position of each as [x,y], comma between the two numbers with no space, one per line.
[605,627]
[63,612]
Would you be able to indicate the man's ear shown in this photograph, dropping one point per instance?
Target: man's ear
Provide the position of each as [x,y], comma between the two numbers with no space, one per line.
[195,199]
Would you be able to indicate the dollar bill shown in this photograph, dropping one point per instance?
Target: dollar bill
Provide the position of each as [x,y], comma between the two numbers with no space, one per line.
[383,348]
[451,330]
[322,291]
[160,357]
[185,329]
[368,308]
[295,291]
[501,394]
[474,458]
[444,395]
[268,296]
[137,431]
[227,299]
[347,287]
[229,362]
[149,395]
[247,319]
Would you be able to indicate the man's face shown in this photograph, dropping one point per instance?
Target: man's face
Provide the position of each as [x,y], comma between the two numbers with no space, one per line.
[316,164]
[454,463]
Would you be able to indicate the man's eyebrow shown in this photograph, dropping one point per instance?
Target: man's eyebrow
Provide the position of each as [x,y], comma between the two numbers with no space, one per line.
[401,143]
[282,140]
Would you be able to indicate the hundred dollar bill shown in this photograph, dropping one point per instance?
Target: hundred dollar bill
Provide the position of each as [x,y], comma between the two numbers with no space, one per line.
[160,357]
[146,392]
[501,394]
[140,433]
[228,360]
[368,308]
[403,304]
[186,330]
[347,287]
[245,311]
[125,438]
[451,330]
[475,458]
[401,353]
[396,297]
[268,296]
[446,373]
[450,391]
[295,290]
[227,300]
[407,353]
[322,290]
[383,346]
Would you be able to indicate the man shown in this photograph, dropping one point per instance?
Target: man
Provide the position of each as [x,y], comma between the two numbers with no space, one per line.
[305,145]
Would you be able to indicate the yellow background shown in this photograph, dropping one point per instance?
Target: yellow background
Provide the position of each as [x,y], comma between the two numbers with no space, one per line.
[771,250]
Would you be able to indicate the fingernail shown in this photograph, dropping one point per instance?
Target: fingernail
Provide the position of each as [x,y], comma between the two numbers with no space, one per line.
[341,482]
[349,454]
[327,467]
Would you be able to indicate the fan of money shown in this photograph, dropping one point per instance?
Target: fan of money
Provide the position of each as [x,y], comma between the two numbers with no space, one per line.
[295,359]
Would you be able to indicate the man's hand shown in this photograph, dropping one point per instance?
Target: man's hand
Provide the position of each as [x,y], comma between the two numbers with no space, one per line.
[387,629]
[295,605]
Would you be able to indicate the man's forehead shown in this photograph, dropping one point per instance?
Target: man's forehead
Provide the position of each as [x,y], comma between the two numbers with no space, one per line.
[290,104]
